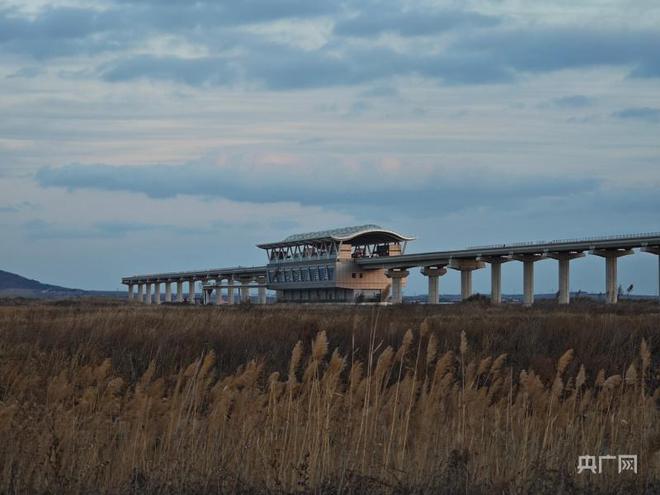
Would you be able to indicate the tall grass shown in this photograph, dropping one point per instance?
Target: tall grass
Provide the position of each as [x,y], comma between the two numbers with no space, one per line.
[365,405]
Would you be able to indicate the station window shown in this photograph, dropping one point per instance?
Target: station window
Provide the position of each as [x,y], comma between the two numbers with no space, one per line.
[322,273]
[296,275]
[331,273]
[354,275]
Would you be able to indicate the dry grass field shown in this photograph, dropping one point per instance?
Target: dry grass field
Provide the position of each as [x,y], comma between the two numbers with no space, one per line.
[100,397]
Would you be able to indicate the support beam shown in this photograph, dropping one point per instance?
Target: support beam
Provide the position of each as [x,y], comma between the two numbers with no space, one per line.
[245,290]
[130,292]
[157,292]
[179,291]
[655,250]
[207,296]
[230,291]
[397,275]
[218,292]
[528,261]
[466,266]
[262,297]
[611,260]
[433,273]
[168,292]
[191,291]
[564,282]
[140,294]
[496,277]
[147,295]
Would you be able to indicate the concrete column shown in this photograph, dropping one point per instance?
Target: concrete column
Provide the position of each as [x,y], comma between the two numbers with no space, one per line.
[245,290]
[218,292]
[262,297]
[397,276]
[191,292]
[140,294]
[496,277]
[157,292]
[179,291]
[466,267]
[496,283]
[564,282]
[611,279]
[230,291]
[433,273]
[130,292]
[168,291]
[207,296]
[528,282]
[528,261]
[147,295]
[466,284]
[655,250]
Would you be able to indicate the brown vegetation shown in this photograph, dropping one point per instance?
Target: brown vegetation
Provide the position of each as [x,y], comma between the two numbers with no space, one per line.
[470,399]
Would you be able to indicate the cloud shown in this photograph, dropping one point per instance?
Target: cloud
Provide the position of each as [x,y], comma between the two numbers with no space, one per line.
[374,185]
[477,49]
[574,101]
[203,71]
[280,67]
[546,49]
[646,114]
[16,207]
[382,17]
[60,31]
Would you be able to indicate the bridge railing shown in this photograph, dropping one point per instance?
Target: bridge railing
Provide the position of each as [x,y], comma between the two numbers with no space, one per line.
[569,241]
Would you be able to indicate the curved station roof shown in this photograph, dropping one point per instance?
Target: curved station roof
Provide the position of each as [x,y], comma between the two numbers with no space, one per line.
[359,234]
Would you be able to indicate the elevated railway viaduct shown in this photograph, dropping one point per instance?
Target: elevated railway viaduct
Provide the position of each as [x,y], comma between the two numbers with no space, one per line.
[369,263]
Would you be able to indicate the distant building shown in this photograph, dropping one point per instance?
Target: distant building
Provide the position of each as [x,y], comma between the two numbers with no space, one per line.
[321,266]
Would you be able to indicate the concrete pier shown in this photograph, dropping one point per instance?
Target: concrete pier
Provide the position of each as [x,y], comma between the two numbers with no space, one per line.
[179,291]
[433,273]
[168,292]
[218,292]
[564,281]
[157,292]
[496,277]
[528,261]
[262,295]
[496,283]
[245,290]
[230,291]
[611,276]
[130,292]
[397,275]
[140,293]
[466,267]
[655,250]
[191,291]
[147,295]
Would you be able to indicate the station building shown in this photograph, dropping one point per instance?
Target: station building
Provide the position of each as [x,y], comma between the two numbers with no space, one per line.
[321,266]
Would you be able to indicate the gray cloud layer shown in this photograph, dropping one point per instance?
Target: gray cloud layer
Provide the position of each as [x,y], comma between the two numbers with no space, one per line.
[646,114]
[450,194]
[466,47]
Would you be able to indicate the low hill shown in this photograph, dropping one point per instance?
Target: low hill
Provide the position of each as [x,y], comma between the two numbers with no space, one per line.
[12,284]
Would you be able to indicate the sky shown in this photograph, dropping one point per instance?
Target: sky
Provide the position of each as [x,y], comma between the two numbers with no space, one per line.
[164,135]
